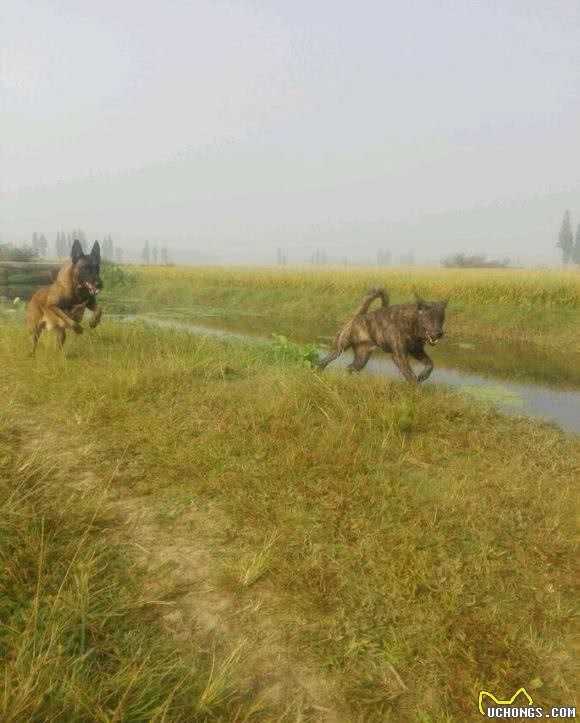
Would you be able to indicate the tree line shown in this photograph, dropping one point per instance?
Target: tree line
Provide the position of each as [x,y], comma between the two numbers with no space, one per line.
[63,244]
[153,254]
[321,258]
[40,248]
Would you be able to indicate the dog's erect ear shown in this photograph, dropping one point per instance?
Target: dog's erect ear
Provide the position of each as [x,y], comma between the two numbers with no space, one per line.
[444,303]
[76,252]
[421,303]
[96,252]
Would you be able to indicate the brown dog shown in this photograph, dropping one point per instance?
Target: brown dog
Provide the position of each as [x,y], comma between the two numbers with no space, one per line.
[61,305]
[402,330]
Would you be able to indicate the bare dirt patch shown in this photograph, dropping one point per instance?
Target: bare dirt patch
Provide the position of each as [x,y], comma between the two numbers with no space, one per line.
[182,562]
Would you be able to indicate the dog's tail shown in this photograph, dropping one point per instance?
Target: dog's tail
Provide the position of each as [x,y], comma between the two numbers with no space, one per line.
[343,339]
[375,292]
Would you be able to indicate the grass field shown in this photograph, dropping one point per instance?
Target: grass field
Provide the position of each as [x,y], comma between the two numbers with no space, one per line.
[469,287]
[331,548]
[518,324]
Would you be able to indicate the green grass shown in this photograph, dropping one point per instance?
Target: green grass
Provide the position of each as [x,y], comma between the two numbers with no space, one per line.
[408,545]
[80,639]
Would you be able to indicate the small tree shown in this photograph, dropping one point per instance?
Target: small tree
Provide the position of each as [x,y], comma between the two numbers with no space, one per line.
[384,258]
[576,249]
[118,254]
[566,239]
[42,246]
[165,256]
[319,258]
[108,248]
[146,254]
[61,244]
[155,253]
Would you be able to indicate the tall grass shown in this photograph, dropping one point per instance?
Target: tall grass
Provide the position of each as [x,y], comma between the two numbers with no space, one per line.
[511,287]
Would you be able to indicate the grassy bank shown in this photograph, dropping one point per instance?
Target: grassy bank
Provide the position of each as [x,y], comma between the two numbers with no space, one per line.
[404,546]
[81,638]
[522,323]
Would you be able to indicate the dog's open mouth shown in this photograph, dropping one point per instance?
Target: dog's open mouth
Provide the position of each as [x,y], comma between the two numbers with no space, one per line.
[431,340]
[92,288]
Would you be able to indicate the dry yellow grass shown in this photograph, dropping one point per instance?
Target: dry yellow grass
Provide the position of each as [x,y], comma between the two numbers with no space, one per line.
[511,287]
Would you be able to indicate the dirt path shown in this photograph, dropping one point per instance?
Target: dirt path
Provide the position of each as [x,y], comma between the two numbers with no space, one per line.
[243,629]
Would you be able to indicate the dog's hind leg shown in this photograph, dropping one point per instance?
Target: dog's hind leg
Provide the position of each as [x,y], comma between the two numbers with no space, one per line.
[60,334]
[422,356]
[362,353]
[34,335]
[330,357]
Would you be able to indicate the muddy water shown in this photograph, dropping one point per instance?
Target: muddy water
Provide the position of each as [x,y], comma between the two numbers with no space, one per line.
[553,404]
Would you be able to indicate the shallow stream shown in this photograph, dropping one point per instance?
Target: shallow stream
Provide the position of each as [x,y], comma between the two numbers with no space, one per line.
[551,403]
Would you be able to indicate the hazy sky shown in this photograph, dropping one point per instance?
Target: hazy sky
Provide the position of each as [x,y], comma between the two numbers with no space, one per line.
[242,123]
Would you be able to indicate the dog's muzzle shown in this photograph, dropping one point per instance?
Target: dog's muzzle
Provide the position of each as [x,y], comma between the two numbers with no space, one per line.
[93,289]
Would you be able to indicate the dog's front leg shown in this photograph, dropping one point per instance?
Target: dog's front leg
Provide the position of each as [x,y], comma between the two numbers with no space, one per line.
[77,313]
[422,356]
[67,321]
[96,317]
[97,312]
[402,361]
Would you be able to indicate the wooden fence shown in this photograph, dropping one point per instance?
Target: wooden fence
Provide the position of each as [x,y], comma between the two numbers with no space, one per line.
[39,272]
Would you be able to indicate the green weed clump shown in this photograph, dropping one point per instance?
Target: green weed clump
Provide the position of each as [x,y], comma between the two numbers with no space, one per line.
[308,354]
[116,277]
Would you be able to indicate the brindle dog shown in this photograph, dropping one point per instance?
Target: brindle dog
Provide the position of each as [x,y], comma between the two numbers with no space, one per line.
[61,305]
[402,330]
